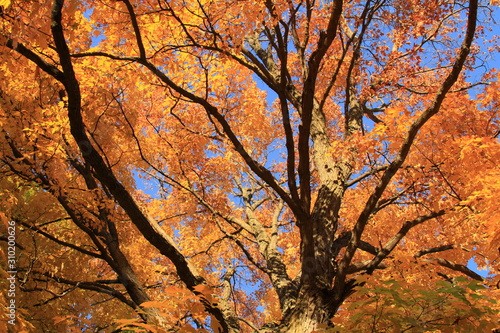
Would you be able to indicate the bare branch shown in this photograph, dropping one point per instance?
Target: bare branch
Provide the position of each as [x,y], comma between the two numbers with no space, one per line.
[366,174]
[137,31]
[60,242]
[93,286]
[434,250]
[393,242]
[456,267]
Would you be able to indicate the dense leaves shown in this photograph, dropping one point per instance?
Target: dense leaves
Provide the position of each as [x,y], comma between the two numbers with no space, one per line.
[237,166]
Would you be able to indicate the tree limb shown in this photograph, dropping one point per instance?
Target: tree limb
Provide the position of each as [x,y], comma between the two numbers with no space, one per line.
[456,267]
[405,148]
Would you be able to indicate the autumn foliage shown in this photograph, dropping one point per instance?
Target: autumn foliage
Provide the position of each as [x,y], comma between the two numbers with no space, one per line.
[251,166]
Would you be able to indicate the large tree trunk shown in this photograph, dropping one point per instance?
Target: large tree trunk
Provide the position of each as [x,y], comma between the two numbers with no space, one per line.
[313,310]
[315,304]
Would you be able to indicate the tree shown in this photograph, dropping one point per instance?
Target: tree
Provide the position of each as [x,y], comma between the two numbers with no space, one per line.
[235,166]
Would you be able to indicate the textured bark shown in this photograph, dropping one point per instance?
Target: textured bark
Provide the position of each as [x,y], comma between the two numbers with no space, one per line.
[313,309]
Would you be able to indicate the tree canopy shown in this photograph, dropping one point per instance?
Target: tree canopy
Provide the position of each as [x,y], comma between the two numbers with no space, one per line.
[251,166]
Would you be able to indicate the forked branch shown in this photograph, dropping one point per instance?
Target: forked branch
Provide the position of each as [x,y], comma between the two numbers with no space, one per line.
[405,148]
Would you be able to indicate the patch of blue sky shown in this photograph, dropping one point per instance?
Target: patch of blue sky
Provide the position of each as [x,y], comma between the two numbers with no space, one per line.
[98,28]
[484,272]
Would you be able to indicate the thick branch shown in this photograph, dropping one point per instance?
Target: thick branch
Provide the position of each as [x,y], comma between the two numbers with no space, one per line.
[35,58]
[325,40]
[147,226]
[405,148]
[137,32]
